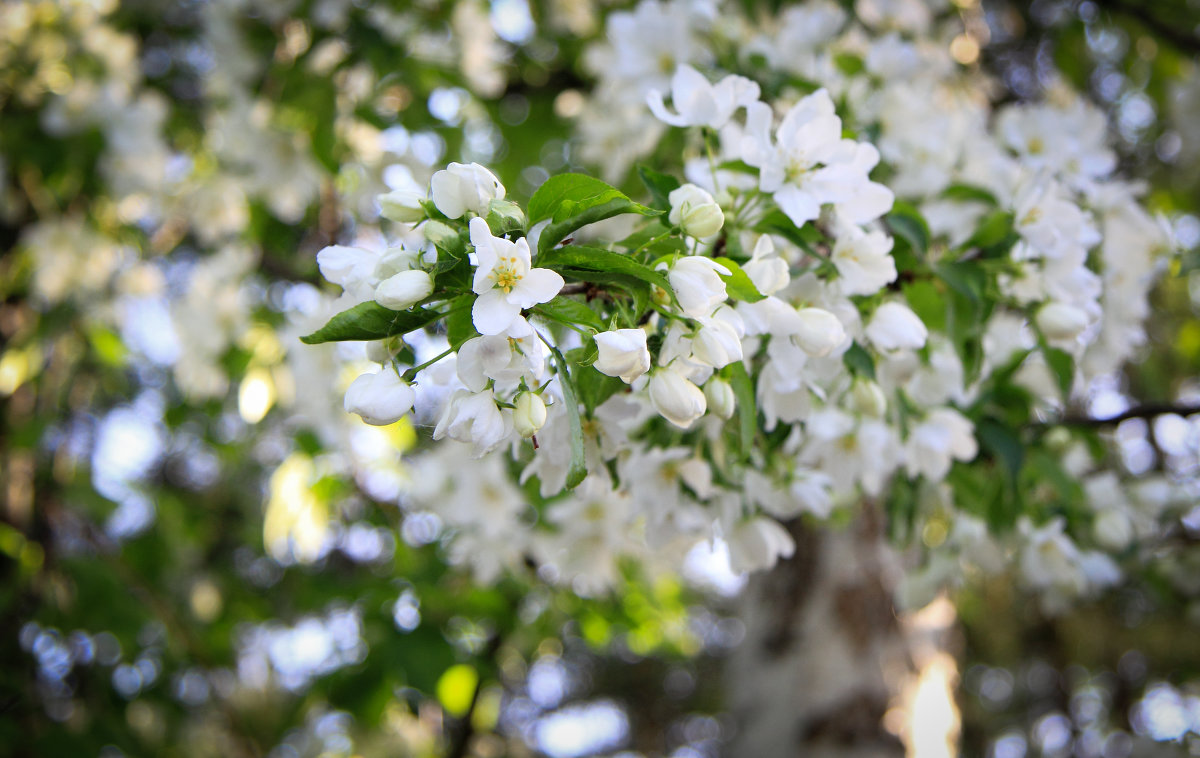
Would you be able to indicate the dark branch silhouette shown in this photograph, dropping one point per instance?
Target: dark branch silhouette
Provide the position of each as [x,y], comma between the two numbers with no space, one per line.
[1149,410]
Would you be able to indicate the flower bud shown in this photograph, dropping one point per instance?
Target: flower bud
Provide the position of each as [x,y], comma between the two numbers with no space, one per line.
[403,290]
[676,399]
[695,211]
[504,216]
[402,206]
[460,187]
[1113,529]
[622,353]
[868,399]
[382,351]
[1059,321]
[529,415]
[895,327]
[698,284]
[719,395]
[818,331]
[380,398]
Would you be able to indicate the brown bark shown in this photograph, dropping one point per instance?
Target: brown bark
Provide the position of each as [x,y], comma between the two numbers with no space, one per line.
[824,653]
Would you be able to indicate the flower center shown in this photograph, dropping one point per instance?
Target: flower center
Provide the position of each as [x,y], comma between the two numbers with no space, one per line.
[506,274]
[797,166]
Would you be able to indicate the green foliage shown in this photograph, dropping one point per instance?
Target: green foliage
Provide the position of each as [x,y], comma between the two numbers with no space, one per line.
[571,201]
[371,321]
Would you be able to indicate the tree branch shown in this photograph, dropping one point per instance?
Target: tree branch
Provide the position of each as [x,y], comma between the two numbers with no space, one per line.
[1178,35]
[463,729]
[1150,410]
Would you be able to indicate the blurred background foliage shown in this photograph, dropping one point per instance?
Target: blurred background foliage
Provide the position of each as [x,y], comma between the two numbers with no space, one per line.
[141,613]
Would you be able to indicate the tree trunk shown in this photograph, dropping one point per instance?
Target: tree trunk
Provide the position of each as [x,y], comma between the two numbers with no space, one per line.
[824,653]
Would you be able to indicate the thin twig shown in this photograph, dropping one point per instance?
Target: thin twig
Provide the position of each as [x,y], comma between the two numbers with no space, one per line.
[463,728]
[1179,35]
[1150,410]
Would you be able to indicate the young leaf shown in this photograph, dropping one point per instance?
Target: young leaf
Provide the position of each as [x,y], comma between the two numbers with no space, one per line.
[577,468]
[738,284]
[505,217]
[600,260]
[1062,365]
[572,312]
[445,238]
[992,231]
[968,193]
[459,325]
[747,410]
[571,201]
[858,360]
[1003,444]
[370,321]
[907,222]
[660,185]
[967,278]
[585,355]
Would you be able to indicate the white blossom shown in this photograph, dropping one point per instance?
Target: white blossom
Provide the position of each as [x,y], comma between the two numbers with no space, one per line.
[695,212]
[505,280]
[404,289]
[697,283]
[461,188]
[622,353]
[380,398]
[895,327]
[675,398]
[702,104]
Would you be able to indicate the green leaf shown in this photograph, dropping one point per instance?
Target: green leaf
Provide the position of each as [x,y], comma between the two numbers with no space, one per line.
[747,409]
[967,278]
[849,63]
[969,193]
[906,221]
[585,355]
[577,468]
[569,194]
[859,361]
[994,230]
[778,222]
[505,217]
[594,388]
[370,321]
[599,260]
[738,283]
[927,302]
[460,327]
[572,312]
[738,166]
[660,185]
[1062,365]
[451,273]
[571,201]
[1003,444]
[637,289]
[445,238]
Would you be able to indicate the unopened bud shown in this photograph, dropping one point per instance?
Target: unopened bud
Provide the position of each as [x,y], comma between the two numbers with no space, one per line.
[719,394]
[819,332]
[868,398]
[404,290]
[695,212]
[1059,321]
[529,414]
[402,206]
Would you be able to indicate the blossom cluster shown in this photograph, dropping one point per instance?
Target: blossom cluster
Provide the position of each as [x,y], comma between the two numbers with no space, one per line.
[799,318]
